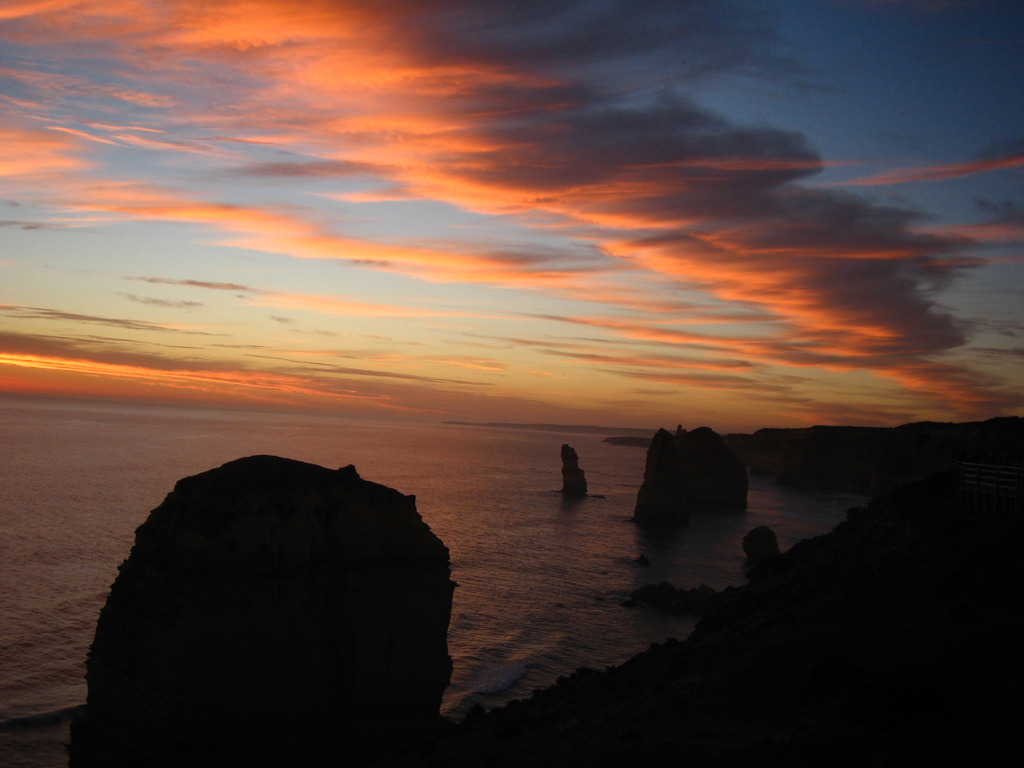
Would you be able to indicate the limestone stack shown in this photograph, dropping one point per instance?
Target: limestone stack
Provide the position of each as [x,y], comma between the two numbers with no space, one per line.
[686,469]
[574,482]
[268,605]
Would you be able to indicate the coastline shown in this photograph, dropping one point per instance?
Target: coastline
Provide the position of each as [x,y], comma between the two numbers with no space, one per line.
[892,640]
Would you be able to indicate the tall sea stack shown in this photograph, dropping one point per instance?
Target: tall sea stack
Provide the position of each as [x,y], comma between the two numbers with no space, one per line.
[268,607]
[574,482]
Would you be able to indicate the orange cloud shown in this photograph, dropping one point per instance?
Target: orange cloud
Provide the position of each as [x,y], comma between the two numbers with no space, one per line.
[39,153]
[252,386]
[442,102]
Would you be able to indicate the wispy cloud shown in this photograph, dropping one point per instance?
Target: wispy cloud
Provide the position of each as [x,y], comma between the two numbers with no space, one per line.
[154,302]
[44,313]
[941,172]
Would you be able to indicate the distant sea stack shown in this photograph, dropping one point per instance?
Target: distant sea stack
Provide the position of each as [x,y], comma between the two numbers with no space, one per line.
[574,482]
[268,606]
[688,468]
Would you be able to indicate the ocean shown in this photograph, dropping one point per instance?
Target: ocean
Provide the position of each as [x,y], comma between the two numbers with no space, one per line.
[541,578]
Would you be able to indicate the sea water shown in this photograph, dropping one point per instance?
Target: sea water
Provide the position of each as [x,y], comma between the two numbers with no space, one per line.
[541,577]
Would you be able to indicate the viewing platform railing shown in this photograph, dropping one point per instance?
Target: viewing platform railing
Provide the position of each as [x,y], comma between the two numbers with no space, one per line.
[990,487]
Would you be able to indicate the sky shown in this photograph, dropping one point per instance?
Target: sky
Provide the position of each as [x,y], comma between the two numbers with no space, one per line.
[707,212]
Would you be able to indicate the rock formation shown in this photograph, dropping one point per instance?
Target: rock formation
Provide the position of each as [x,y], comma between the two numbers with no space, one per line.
[662,499]
[688,468]
[712,472]
[268,605]
[760,544]
[574,482]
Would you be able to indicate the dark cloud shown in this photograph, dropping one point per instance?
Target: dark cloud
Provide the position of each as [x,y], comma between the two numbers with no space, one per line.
[690,159]
[153,302]
[321,368]
[30,225]
[101,350]
[43,313]
[1003,149]
[654,361]
[198,284]
[689,38]
[733,217]
[1003,211]
[326,168]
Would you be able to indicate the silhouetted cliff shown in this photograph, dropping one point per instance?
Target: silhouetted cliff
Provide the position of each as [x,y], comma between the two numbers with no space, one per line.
[894,640]
[873,460]
[267,606]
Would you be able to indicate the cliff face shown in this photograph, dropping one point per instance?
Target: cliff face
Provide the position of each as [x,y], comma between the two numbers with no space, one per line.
[265,605]
[873,460]
[688,468]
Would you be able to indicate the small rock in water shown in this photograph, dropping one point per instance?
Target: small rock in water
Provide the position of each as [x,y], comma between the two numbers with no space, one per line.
[760,544]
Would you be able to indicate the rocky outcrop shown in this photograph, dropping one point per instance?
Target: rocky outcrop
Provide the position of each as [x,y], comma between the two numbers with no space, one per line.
[874,460]
[760,544]
[688,468]
[268,606]
[574,482]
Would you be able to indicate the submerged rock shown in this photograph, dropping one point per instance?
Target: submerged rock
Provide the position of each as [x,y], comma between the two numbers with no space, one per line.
[266,606]
[698,601]
[574,482]
[688,468]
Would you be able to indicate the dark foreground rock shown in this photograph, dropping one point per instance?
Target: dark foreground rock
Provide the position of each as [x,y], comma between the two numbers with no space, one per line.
[688,468]
[269,609]
[574,482]
[893,641]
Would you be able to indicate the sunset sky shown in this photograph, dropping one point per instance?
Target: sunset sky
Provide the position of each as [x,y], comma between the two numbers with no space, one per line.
[738,214]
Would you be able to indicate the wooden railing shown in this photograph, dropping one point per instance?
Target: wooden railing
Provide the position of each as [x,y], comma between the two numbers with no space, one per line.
[990,488]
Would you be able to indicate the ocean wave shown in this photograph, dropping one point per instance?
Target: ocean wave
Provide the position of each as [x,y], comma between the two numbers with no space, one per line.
[499,677]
